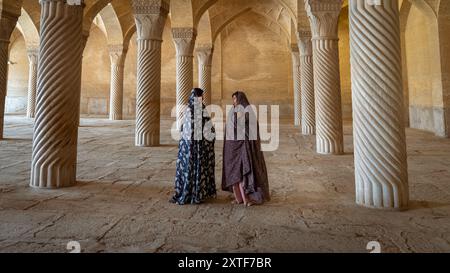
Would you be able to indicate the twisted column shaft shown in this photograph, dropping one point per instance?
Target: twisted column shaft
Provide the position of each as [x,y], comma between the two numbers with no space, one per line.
[7,24]
[32,82]
[150,20]
[55,137]
[205,54]
[184,39]
[296,76]
[307,84]
[323,16]
[379,130]
[117,55]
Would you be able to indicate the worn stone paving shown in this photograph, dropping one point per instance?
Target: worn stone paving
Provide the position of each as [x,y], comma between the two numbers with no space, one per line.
[120,203]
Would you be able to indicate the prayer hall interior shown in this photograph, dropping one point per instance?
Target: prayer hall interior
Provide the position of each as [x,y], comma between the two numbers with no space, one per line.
[89,91]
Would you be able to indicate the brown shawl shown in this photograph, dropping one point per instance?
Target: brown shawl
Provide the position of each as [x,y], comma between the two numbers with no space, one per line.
[243,160]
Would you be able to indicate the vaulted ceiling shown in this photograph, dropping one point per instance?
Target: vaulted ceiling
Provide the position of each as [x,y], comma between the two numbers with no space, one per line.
[209,17]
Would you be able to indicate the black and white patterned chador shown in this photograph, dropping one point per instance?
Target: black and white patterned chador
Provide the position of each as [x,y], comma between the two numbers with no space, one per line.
[195,177]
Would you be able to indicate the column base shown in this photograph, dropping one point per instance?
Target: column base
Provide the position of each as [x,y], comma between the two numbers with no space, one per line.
[308,130]
[148,141]
[58,179]
[115,117]
[329,148]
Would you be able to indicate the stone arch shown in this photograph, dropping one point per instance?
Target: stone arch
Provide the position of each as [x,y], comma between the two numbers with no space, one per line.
[444,42]
[128,35]
[290,9]
[182,14]
[283,32]
[200,8]
[29,30]
[204,36]
[226,20]
[250,69]
[276,17]
[113,28]
[90,12]
[423,65]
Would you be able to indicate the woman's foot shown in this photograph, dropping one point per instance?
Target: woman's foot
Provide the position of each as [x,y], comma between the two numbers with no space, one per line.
[235,202]
[249,204]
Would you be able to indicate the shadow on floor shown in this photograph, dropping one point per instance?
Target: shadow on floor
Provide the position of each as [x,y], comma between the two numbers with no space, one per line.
[416,205]
[16,140]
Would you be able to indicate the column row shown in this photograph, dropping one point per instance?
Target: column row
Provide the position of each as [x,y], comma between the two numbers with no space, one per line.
[379,132]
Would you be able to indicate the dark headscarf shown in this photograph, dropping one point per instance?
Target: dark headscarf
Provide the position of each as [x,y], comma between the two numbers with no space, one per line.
[241,98]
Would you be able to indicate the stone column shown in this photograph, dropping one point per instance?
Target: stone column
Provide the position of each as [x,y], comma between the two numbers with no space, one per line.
[150,19]
[307,80]
[379,129]
[84,40]
[117,55]
[7,25]
[323,16]
[184,39]
[297,84]
[54,156]
[32,81]
[205,55]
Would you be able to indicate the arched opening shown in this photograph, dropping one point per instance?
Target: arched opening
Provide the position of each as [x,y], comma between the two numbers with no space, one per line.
[95,80]
[423,70]
[256,59]
[18,68]
[344,62]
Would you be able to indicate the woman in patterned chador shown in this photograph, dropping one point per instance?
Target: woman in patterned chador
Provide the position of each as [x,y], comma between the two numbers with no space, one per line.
[195,178]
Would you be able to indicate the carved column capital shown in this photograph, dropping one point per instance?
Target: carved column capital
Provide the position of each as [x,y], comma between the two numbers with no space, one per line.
[323,16]
[33,54]
[205,54]
[117,54]
[295,55]
[184,39]
[150,17]
[305,45]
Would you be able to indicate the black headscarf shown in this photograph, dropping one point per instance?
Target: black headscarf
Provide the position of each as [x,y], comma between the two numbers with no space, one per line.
[241,98]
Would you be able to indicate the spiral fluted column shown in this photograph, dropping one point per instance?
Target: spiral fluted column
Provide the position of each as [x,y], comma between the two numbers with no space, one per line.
[117,55]
[184,39]
[204,55]
[296,76]
[150,17]
[323,16]
[54,154]
[32,82]
[7,24]
[379,130]
[307,83]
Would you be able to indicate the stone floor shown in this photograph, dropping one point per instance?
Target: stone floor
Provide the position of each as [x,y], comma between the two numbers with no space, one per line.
[121,201]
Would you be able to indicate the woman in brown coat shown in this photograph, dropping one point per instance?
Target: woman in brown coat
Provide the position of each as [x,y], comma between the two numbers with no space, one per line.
[244,168]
